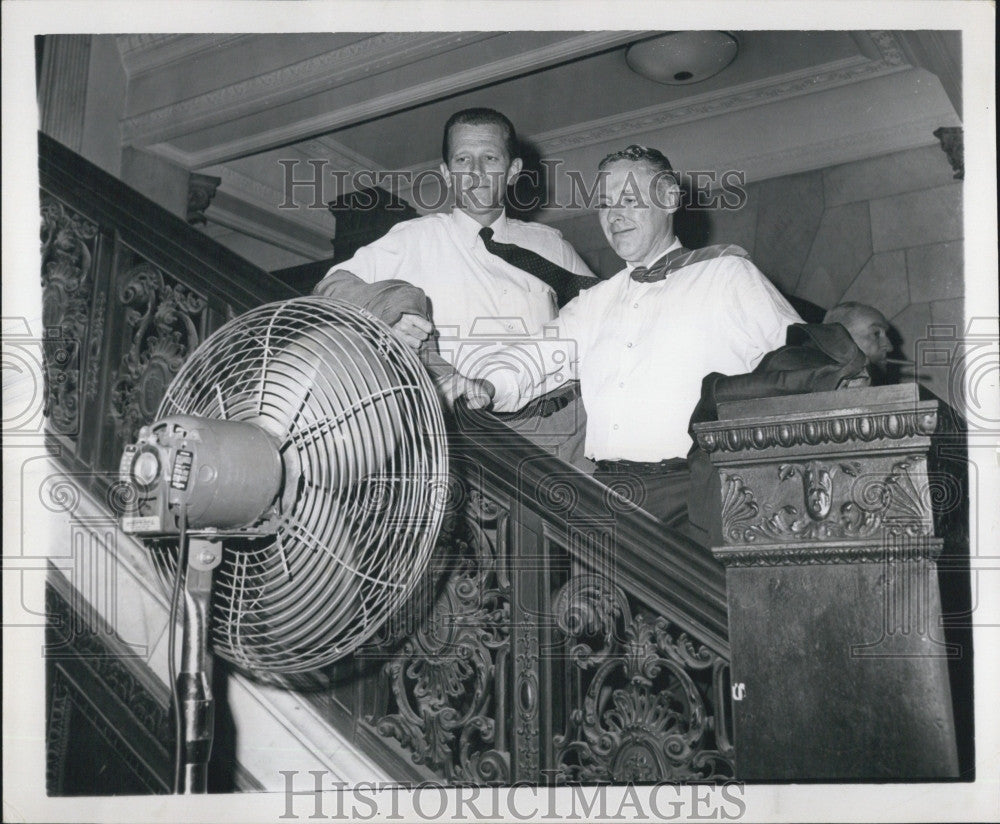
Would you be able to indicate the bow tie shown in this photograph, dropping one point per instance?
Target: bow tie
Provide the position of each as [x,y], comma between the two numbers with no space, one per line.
[660,269]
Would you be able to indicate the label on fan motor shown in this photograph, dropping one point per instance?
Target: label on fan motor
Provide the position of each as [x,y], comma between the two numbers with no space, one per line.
[125,465]
[141,523]
[181,472]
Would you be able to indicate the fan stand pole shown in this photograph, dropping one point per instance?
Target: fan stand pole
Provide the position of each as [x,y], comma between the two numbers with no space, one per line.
[194,680]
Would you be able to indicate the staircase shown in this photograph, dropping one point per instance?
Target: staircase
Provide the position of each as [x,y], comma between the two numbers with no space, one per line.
[562,635]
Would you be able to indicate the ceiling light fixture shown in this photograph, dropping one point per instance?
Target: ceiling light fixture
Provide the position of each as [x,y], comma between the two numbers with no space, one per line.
[682,57]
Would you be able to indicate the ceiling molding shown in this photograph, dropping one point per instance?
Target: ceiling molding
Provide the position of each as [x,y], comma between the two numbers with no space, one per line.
[910,134]
[362,58]
[697,107]
[711,104]
[266,197]
[130,43]
[339,155]
[135,131]
[939,52]
[241,224]
[889,48]
[143,53]
[810,157]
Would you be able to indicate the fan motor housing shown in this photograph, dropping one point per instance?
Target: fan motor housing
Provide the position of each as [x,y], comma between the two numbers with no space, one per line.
[227,473]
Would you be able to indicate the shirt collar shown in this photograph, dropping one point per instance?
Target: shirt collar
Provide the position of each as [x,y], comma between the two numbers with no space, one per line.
[675,245]
[468,227]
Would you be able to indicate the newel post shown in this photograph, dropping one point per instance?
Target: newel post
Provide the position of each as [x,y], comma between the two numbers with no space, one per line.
[839,668]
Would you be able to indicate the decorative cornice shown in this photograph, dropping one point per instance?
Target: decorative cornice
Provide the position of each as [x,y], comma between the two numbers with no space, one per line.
[233,180]
[129,43]
[744,96]
[890,51]
[201,190]
[813,554]
[698,107]
[911,134]
[361,58]
[338,154]
[813,430]
[143,53]
[953,144]
[316,250]
[806,157]
[266,197]
[170,122]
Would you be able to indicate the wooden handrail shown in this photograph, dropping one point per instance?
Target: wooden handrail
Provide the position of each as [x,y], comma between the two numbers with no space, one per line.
[662,567]
[162,238]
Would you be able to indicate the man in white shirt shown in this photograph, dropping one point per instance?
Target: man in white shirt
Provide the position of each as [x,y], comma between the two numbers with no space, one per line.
[641,342]
[472,291]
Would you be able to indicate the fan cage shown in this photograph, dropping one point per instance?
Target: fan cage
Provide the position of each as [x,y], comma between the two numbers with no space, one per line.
[362,439]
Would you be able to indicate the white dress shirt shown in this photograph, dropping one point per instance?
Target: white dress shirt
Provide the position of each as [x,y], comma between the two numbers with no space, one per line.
[473,292]
[640,351]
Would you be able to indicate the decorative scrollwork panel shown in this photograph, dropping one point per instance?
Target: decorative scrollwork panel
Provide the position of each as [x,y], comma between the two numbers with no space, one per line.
[652,697]
[445,682]
[164,323]
[68,248]
[826,500]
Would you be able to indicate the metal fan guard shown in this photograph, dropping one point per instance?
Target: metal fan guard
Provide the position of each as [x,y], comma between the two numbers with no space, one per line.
[364,451]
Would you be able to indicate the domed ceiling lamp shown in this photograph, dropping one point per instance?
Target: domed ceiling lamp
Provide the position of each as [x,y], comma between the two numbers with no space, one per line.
[682,57]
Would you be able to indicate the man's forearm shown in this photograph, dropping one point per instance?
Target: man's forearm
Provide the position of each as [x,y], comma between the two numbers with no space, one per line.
[523,371]
[388,300]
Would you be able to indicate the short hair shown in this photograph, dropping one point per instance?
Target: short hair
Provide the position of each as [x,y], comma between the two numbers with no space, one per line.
[843,312]
[482,117]
[653,158]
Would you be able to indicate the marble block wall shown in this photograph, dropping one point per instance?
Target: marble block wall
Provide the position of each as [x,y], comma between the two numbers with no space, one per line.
[886,231]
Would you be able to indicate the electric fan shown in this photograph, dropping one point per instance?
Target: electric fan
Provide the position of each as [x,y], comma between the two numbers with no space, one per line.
[295,480]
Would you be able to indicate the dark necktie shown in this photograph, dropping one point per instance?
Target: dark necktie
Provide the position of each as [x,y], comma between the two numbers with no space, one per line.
[680,257]
[565,284]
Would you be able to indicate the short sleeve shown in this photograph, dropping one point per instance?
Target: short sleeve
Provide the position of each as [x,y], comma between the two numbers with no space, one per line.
[758,310]
[382,259]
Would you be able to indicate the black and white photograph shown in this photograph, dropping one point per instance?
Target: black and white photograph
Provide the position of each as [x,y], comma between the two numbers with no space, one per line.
[480,411]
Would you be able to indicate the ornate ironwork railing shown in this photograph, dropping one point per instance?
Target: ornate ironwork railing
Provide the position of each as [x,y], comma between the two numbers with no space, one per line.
[563,635]
[572,638]
[128,292]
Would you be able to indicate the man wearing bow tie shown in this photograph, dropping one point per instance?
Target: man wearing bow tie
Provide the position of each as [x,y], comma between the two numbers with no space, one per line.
[641,342]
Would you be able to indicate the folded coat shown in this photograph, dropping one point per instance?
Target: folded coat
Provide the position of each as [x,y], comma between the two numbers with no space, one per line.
[816,357]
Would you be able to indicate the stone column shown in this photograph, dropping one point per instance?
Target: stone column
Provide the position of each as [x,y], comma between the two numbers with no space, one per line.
[839,669]
[62,87]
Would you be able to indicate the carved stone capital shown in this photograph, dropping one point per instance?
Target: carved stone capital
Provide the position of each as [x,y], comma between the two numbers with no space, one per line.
[201,190]
[953,143]
[830,500]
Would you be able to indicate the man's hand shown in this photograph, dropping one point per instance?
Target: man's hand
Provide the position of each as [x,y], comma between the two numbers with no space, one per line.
[478,394]
[412,330]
